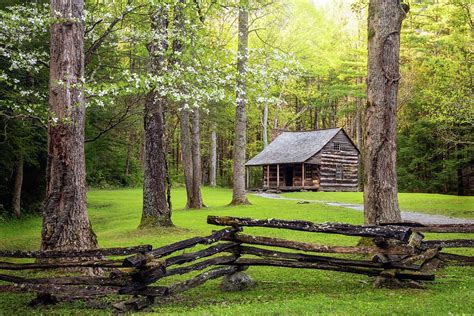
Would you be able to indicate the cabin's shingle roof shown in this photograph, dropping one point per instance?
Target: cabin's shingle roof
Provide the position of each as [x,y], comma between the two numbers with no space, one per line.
[293,147]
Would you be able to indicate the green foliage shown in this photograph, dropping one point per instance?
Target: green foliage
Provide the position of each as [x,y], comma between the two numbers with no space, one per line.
[436,114]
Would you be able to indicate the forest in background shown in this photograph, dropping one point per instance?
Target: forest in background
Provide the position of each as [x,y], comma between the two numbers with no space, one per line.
[306,70]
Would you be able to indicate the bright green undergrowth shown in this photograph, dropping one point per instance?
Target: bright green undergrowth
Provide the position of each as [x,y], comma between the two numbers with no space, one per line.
[449,205]
[115,215]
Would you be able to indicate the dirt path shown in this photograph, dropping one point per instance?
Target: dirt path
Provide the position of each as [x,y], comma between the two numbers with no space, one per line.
[406,215]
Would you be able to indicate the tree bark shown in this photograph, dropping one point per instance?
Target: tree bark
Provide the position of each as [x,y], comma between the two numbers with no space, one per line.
[129,156]
[317,111]
[213,172]
[186,156]
[196,159]
[265,125]
[66,224]
[265,107]
[380,179]
[360,139]
[190,132]
[156,210]
[16,200]
[239,194]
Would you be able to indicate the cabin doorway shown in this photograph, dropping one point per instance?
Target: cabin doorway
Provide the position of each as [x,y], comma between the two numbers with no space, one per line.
[289,176]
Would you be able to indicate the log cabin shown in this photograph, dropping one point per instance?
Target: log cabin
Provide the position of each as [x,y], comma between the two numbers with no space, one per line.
[318,160]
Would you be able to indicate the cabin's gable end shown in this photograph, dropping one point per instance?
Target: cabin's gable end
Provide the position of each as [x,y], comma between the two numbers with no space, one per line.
[339,161]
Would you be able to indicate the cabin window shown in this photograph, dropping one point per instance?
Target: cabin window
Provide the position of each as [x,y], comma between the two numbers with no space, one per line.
[337,146]
[339,172]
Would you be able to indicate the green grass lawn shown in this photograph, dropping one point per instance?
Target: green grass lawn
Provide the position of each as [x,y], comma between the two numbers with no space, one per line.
[115,215]
[449,205]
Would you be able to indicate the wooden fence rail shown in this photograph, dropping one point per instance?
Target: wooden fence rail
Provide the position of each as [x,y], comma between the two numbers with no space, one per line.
[399,252]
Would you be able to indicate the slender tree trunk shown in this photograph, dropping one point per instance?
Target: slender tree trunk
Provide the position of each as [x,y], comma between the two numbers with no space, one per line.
[380,195]
[265,107]
[156,209]
[316,118]
[324,117]
[188,146]
[265,125]
[460,179]
[239,194]
[297,112]
[66,224]
[16,200]
[334,114]
[275,117]
[186,156]
[196,159]
[213,171]
[129,155]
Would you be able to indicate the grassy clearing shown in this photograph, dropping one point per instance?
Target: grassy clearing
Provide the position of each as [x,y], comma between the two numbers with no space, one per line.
[115,214]
[449,205]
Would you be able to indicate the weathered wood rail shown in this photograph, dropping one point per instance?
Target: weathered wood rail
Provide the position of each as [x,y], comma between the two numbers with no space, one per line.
[399,252]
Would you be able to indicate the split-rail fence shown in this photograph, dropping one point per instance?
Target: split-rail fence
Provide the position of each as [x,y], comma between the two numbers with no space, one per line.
[397,252]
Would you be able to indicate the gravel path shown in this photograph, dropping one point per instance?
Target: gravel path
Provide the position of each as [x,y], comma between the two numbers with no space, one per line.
[406,216]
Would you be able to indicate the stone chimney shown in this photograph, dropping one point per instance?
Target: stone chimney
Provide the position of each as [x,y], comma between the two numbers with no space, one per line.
[276,132]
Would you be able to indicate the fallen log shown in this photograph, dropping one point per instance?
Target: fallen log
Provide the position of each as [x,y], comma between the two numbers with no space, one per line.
[329,260]
[68,291]
[325,266]
[453,243]
[201,278]
[73,280]
[142,259]
[78,291]
[134,304]
[454,259]
[445,228]
[153,291]
[435,228]
[396,232]
[97,253]
[65,264]
[304,246]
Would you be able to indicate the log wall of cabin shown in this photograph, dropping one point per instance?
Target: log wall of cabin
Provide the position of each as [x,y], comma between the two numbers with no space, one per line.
[347,157]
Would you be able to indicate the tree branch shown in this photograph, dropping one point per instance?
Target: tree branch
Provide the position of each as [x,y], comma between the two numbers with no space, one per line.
[93,48]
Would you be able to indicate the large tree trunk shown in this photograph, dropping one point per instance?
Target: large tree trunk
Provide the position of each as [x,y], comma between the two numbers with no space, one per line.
[156,209]
[196,158]
[66,224]
[239,194]
[360,139]
[213,171]
[16,199]
[380,187]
